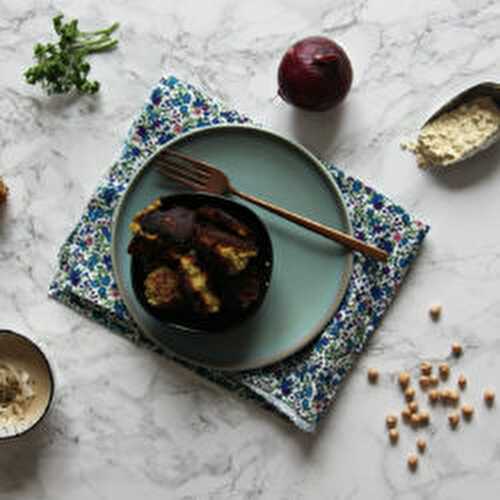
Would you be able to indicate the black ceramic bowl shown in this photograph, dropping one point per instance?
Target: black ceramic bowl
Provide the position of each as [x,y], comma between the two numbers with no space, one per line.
[187,320]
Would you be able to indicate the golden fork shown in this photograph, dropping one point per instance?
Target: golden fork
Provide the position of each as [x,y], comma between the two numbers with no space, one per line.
[200,176]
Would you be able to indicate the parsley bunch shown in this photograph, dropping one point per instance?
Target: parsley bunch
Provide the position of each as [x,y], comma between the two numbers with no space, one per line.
[62,66]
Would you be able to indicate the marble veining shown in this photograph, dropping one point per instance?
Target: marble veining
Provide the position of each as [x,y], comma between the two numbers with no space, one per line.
[130,424]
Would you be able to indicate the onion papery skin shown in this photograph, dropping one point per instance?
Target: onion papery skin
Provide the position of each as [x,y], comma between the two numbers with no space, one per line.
[314,74]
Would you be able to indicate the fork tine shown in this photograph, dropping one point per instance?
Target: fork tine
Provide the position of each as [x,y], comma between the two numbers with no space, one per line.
[181,172]
[170,172]
[183,168]
[201,165]
[181,178]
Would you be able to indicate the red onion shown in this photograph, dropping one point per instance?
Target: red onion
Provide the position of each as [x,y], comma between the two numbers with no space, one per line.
[315,74]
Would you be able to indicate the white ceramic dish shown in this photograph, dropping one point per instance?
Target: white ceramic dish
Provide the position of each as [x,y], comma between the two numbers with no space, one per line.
[22,353]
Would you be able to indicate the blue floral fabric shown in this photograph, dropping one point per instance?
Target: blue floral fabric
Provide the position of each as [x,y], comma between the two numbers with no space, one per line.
[303,386]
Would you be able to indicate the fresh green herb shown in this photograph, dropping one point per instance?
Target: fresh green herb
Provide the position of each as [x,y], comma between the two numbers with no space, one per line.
[61,67]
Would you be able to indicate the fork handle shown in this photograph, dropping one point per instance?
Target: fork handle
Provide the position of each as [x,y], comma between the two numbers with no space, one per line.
[316,227]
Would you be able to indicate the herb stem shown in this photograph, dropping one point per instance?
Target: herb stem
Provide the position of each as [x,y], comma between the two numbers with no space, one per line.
[106,31]
[97,46]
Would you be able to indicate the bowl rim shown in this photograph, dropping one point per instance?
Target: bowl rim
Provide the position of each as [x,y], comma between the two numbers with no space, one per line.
[50,371]
[263,230]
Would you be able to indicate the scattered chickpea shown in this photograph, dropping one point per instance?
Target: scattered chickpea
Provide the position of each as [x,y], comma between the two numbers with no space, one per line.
[434,396]
[435,311]
[424,417]
[454,397]
[453,419]
[372,375]
[467,411]
[446,395]
[412,461]
[444,370]
[424,382]
[411,414]
[391,421]
[393,436]
[456,349]
[462,381]
[415,420]
[425,368]
[406,414]
[404,379]
[421,445]
[413,407]
[489,397]
[409,394]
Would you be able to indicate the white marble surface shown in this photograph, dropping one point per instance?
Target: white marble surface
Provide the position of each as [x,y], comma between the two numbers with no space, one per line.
[128,424]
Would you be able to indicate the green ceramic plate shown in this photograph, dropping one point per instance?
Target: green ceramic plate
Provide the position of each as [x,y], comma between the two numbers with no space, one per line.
[310,273]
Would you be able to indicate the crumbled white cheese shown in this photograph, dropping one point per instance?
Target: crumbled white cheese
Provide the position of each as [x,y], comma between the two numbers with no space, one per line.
[16,394]
[455,134]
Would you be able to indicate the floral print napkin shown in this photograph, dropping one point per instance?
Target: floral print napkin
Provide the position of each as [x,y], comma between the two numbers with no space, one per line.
[303,386]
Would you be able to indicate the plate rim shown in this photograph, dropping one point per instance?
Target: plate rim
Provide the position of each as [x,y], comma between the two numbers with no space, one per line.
[317,328]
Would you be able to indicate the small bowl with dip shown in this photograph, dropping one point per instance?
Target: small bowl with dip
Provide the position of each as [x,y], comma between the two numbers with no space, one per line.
[26,385]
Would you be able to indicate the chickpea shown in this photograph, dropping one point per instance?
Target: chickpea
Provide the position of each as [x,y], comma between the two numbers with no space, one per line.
[413,407]
[433,380]
[406,414]
[424,382]
[454,396]
[425,368]
[393,436]
[404,379]
[462,381]
[456,349]
[415,420]
[409,394]
[444,371]
[412,461]
[391,421]
[434,396]
[435,311]
[372,375]
[446,395]
[424,417]
[421,445]
[467,411]
[453,419]
[489,397]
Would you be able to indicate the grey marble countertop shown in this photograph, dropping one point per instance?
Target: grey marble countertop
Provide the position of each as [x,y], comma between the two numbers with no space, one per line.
[128,424]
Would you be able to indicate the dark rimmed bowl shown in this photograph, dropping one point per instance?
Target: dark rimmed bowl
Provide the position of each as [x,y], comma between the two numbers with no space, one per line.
[23,353]
[190,322]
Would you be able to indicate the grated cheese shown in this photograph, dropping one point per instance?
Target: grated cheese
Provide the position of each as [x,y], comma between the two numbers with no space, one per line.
[456,134]
[16,394]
